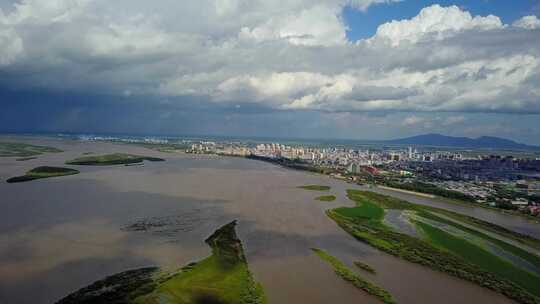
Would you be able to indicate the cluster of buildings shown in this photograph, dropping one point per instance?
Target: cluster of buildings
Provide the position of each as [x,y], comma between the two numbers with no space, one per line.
[440,165]
[473,176]
[122,139]
[482,168]
[481,177]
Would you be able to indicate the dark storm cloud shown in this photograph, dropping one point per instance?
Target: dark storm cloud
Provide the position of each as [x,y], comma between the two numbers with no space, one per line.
[218,66]
[297,58]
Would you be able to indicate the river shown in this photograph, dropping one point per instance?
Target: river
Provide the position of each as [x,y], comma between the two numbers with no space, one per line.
[60,234]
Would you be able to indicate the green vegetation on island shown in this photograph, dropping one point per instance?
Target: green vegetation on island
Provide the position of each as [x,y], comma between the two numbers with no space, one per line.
[348,275]
[438,249]
[365,267]
[499,200]
[389,202]
[477,223]
[481,257]
[223,278]
[8,149]
[111,159]
[531,242]
[121,288]
[326,198]
[42,172]
[25,158]
[315,187]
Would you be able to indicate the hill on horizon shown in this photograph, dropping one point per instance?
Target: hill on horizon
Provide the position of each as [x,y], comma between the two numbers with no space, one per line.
[462,142]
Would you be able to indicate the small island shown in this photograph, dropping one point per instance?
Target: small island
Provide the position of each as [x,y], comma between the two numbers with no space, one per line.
[223,277]
[42,172]
[348,275]
[326,198]
[365,267]
[445,241]
[112,159]
[9,149]
[26,158]
[315,187]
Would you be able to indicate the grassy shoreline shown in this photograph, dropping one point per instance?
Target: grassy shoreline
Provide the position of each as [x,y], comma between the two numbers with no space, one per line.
[326,198]
[42,172]
[13,149]
[510,234]
[25,158]
[365,267]
[223,277]
[348,275]
[111,159]
[454,201]
[364,222]
[321,188]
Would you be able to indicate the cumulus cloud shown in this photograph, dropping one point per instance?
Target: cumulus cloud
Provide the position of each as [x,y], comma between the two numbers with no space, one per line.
[318,25]
[528,22]
[274,54]
[435,22]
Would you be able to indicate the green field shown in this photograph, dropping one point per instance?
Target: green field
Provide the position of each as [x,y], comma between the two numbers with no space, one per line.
[42,172]
[364,210]
[349,276]
[315,187]
[481,257]
[326,198]
[389,202]
[8,149]
[521,238]
[222,278]
[529,257]
[111,159]
[438,249]
[365,267]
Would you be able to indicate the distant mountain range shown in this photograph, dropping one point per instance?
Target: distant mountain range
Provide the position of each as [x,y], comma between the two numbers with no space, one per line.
[439,140]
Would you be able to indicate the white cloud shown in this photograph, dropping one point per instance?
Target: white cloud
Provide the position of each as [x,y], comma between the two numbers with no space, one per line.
[282,55]
[414,120]
[136,36]
[276,84]
[11,46]
[50,11]
[317,25]
[528,22]
[435,22]
[364,4]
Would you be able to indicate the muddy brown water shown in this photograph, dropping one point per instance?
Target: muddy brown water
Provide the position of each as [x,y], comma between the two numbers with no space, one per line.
[60,234]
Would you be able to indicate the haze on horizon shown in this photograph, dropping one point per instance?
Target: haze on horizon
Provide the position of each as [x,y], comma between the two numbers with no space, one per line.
[360,69]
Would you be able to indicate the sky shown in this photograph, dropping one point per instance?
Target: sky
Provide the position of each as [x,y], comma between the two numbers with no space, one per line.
[346,69]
